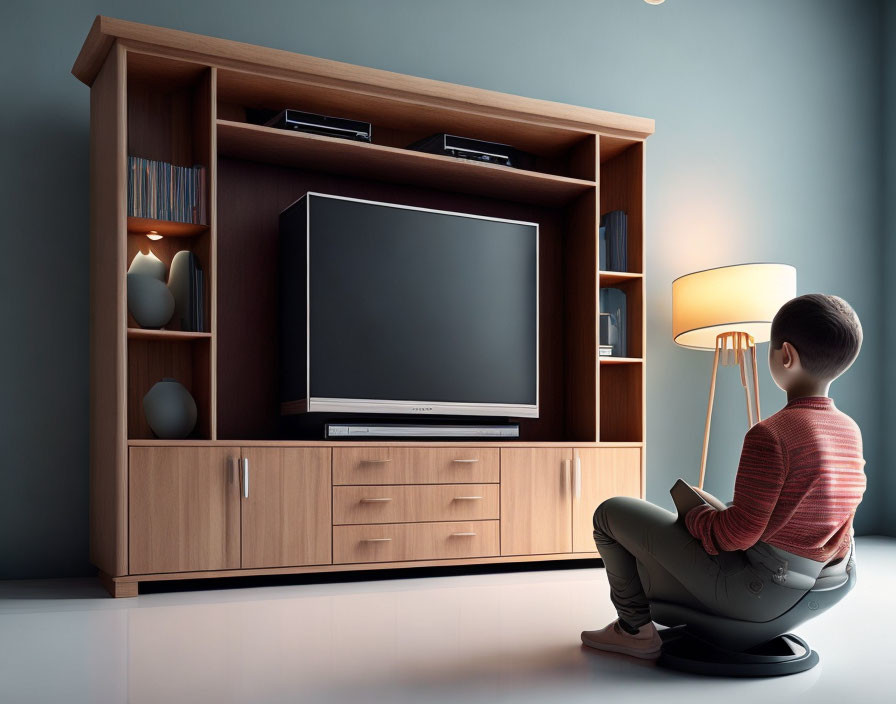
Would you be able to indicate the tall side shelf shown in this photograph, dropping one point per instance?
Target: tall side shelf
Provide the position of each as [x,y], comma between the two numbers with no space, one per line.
[176,509]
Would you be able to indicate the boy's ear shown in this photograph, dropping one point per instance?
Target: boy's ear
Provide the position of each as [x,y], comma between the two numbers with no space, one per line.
[790,357]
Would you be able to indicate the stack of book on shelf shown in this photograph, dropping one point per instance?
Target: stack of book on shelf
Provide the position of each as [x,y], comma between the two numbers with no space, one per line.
[162,191]
[613,241]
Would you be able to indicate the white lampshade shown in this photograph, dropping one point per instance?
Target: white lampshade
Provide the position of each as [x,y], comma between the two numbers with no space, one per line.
[738,298]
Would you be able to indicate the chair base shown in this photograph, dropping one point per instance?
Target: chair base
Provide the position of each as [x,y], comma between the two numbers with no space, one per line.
[784,655]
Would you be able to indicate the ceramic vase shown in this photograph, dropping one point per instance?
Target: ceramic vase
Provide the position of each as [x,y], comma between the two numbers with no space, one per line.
[148,265]
[149,301]
[170,410]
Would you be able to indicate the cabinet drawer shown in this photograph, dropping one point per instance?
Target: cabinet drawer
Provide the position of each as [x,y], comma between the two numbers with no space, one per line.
[409,504]
[397,542]
[415,465]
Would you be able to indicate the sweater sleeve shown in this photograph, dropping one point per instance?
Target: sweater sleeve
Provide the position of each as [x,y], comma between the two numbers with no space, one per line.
[760,477]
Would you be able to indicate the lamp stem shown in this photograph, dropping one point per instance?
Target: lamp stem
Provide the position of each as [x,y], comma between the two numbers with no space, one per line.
[756,384]
[712,396]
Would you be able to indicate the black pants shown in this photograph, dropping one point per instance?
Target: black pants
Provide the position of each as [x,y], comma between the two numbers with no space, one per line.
[649,556]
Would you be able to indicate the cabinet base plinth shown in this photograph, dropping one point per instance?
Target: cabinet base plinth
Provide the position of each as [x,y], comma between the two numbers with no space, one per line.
[118,588]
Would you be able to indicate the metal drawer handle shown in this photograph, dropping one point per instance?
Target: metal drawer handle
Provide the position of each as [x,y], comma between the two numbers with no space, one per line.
[377,500]
[467,498]
[470,461]
[375,540]
[376,461]
[245,477]
[462,535]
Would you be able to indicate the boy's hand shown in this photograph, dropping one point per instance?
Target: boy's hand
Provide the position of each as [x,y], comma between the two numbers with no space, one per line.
[711,500]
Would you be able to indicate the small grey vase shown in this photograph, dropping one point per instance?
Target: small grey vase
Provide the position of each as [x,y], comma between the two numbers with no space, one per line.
[149,301]
[170,410]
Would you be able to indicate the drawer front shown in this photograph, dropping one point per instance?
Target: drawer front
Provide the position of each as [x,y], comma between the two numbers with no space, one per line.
[397,542]
[415,465]
[410,504]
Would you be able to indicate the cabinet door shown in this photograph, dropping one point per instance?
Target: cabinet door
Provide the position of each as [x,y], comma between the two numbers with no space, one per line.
[184,509]
[598,474]
[286,515]
[536,507]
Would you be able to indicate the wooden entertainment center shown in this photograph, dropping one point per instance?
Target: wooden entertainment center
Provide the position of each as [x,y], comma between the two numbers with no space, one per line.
[177,509]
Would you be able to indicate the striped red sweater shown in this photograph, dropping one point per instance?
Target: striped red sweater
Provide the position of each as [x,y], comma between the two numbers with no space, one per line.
[799,482]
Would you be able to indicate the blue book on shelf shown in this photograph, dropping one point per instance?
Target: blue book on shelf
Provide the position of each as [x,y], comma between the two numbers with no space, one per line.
[602,248]
[616,224]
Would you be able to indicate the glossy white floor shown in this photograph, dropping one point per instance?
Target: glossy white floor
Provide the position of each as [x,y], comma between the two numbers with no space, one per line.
[476,638]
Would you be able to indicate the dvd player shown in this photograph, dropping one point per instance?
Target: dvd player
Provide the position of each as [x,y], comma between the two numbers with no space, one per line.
[474,150]
[322,124]
[388,430]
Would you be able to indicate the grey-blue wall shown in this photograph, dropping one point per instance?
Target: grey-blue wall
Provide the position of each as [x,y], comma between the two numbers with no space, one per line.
[768,121]
[887,506]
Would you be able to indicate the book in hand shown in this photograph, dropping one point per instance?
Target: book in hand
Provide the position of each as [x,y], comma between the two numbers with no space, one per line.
[685,498]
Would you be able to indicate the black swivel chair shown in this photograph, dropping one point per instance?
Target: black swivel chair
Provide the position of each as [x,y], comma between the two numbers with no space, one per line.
[707,644]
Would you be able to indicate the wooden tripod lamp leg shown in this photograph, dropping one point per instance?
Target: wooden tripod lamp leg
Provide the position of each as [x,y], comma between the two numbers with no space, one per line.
[742,363]
[756,385]
[712,396]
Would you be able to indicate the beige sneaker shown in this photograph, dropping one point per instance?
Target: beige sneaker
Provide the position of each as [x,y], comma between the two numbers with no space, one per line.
[646,643]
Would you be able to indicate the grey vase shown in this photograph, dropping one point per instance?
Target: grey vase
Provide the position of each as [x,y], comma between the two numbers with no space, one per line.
[170,410]
[148,265]
[149,301]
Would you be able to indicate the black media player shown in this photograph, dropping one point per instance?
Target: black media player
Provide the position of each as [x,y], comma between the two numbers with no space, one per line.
[322,124]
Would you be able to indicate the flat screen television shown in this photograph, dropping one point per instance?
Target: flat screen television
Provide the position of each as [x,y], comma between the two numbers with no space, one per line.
[393,309]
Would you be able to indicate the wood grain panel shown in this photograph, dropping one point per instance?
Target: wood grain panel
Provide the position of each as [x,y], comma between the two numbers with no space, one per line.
[604,473]
[414,541]
[622,402]
[108,362]
[580,259]
[536,512]
[324,76]
[414,465]
[184,509]
[410,504]
[286,517]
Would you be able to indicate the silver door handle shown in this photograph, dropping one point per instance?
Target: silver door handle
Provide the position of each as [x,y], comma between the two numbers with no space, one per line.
[375,540]
[470,461]
[245,463]
[467,498]
[577,478]
[377,461]
[376,500]
[462,535]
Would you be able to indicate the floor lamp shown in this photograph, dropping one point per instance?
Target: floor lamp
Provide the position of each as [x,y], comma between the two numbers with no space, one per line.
[730,310]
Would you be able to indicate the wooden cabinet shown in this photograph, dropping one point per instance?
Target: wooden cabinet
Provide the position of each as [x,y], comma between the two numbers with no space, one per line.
[598,474]
[286,500]
[184,510]
[535,501]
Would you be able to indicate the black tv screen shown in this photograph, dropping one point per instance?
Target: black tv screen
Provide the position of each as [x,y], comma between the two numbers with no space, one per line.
[393,309]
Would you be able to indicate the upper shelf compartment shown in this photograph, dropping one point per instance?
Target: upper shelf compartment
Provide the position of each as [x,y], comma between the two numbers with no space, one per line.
[375,161]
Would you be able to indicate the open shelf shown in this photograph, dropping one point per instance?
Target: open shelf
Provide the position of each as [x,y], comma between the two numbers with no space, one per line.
[173,335]
[395,165]
[167,228]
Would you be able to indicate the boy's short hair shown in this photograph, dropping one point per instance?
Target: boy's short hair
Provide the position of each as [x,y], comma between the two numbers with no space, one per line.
[825,331]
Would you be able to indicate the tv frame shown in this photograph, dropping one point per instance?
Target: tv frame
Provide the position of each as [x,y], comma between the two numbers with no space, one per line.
[311,404]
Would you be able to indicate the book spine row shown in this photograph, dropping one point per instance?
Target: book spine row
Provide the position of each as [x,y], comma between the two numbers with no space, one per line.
[162,191]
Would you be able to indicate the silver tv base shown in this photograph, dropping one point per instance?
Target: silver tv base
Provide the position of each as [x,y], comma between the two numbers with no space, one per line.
[385,430]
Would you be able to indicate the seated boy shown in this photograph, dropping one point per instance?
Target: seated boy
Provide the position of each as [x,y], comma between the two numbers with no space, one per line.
[798,484]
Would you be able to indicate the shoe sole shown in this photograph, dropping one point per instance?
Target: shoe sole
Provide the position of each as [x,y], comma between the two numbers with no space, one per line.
[608,647]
